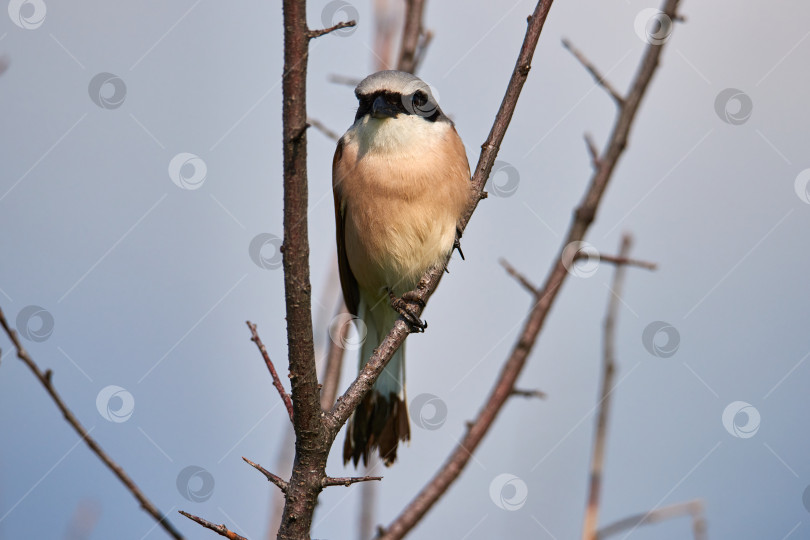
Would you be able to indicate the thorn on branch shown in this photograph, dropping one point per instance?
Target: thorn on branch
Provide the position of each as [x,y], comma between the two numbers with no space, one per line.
[528,285]
[277,480]
[222,530]
[285,397]
[347,480]
[312,34]
[597,76]
[529,393]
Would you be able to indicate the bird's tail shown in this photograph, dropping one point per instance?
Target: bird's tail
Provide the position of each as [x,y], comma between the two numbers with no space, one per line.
[381,419]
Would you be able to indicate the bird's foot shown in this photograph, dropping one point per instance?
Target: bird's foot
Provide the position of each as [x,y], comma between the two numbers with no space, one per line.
[408,306]
[457,243]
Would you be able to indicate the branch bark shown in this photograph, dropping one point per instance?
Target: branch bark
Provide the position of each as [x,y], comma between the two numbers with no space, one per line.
[285,397]
[583,217]
[221,530]
[46,379]
[608,372]
[411,35]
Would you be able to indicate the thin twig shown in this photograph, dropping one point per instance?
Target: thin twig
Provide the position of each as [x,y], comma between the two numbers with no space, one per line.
[277,480]
[623,261]
[410,35]
[528,285]
[592,150]
[608,372]
[221,530]
[597,76]
[334,362]
[343,79]
[692,508]
[320,126]
[583,217]
[529,393]
[312,34]
[46,379]
[285,397]
[348,480]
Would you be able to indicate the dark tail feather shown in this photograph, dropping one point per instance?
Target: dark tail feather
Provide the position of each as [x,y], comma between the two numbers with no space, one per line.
[377,423]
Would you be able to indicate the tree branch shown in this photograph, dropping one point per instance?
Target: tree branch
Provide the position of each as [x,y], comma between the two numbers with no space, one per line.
[320,126]
[529,393]
[622,261]
[411,35]
[254,337]
[583,217]
[348,480]
[592,150]
[312,34]
[45,378]
[608,372]
[597,76]
[692,508]
[528,285]
[221,530]
[277,480]
[334,362]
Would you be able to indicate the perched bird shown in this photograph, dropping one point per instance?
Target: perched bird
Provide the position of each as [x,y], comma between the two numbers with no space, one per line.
[401,182]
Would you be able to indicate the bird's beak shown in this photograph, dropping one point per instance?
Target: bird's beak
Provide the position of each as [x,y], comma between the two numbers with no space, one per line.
[381,109]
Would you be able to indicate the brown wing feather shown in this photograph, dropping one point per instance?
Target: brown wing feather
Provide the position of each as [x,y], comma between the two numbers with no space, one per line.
[351,293]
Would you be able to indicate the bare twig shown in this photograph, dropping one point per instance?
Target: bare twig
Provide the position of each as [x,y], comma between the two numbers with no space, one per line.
[621,261]
[583,217]
[277,480]
[221,530]
[343,79]
[692,508]
[597,76]
[421,51]
[320,126]
[312,34]
[528,285]
[608,372]
[592,150]
[411,35]
[529,393]
[285,397]
[348,480]
[46,379]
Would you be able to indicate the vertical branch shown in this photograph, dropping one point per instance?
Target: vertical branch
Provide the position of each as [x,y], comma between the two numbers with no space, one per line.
[411,35]
[334,361]
[608,373]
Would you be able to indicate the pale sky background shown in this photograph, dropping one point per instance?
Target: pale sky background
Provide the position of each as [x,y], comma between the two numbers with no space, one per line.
[148,284]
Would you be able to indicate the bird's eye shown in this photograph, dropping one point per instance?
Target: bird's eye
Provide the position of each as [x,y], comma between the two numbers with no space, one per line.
[419,99]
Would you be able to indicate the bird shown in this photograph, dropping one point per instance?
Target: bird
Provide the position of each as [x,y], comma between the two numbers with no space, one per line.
[401,184]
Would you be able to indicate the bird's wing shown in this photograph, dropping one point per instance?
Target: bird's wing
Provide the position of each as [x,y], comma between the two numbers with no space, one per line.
[351,293]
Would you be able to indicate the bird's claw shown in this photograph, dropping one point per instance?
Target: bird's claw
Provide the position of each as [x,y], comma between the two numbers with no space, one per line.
[408,307]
